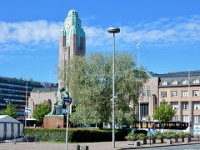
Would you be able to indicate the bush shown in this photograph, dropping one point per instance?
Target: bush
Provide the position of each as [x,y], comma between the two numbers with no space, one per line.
[159,135]
[142,136]
[182,135]
[74,135]
[132,136]
[140,132]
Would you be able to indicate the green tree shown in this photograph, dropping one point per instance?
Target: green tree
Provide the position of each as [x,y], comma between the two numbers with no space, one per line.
[90,85]
[10,110]
[164,112]
[41,110]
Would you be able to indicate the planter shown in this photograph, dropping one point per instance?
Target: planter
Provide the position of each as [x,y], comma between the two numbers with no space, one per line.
[136,143]
[168,141]
[187,139]
[161,140]
[152,140]
[144,141]
[182,139]
[176,139]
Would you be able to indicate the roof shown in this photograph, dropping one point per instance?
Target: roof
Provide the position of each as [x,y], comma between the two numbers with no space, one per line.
[182,74]
[179,77]
[6,118]
[46,89]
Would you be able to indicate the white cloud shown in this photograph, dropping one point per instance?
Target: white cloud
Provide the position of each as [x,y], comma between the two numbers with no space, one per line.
[163,30]
[30,32]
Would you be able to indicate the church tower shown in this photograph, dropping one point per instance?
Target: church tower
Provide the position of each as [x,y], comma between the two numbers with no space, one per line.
[72,42]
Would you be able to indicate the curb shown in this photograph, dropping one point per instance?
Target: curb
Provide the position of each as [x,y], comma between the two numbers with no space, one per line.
[159,145]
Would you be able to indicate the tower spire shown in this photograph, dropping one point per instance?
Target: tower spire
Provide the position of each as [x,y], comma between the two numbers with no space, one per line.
[72,43]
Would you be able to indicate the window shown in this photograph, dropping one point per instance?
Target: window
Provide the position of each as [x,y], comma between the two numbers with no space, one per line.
[185,105]
[144,110]
[175,118]
[143,93]
[196,119]
[164,83]
[175,82]
[185,82]
[185,93]
[174,105]
[173,93]
[196,105]
[148,92]
[163,94]
[185,118]
[196,81]
[195,92]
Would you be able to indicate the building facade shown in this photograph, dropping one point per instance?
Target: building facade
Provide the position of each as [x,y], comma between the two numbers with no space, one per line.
[39,95]
[17,92]
[180,89]
[148,98]
[72,42]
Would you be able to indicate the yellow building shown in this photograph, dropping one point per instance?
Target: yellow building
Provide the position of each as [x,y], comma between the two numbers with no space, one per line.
[181,89]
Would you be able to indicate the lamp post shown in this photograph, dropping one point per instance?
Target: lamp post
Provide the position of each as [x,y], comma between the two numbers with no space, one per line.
[113,31]
[139,114]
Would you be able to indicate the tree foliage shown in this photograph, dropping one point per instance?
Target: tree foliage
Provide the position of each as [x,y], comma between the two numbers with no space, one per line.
[10,110]
[41,110]
[164,112]
[90,86]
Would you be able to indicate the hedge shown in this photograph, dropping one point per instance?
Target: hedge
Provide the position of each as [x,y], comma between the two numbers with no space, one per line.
[75,135]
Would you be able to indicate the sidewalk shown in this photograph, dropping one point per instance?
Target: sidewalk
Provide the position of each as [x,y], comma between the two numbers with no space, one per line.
[122,145]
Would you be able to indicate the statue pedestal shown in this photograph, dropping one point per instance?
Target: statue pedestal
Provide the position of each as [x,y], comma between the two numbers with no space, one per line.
[54,121]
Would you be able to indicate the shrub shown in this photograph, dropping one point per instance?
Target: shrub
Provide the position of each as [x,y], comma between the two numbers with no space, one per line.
[142,136]
[181,134]
[188,135]
[132,136]
[159,135]
[140,132]
[74,135]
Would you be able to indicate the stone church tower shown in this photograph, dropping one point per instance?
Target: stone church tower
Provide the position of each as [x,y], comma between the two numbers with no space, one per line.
[72,42]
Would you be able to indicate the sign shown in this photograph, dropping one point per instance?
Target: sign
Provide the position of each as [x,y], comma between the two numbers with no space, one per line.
[67,99]
[27,109]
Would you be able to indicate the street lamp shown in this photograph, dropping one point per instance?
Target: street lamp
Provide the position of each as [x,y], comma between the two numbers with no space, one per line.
[113,31]
[139,113]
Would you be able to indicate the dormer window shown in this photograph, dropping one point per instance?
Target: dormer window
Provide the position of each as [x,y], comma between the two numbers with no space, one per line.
[175,82]
[196,81]
[185,82]
[164,83]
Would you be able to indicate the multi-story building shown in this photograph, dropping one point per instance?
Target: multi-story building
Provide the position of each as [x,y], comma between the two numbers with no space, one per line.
[17,92]
[181,89]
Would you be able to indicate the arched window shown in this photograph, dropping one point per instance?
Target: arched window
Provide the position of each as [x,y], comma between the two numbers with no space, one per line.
[185,82]
[175,82]
[196,81]
[164,83]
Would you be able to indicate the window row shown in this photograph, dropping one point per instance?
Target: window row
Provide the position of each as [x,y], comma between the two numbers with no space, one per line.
[185,105]
[185,118]
[146,93]
[184,93]
[184,82]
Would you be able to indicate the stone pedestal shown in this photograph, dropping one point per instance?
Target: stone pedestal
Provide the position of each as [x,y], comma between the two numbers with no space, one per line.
[54,121]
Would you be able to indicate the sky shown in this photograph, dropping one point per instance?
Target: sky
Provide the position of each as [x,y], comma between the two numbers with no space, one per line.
[168,32]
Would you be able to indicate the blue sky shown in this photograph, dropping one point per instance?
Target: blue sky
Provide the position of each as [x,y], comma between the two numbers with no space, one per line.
[168,32]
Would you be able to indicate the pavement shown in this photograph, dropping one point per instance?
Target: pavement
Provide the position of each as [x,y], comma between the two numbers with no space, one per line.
[119,145]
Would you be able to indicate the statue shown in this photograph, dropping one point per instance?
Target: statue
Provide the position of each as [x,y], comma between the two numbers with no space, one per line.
[59,105]
[56,118]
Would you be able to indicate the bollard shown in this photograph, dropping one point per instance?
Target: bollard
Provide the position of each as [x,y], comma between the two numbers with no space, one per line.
[78,147]
[150,140]
[82,147]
